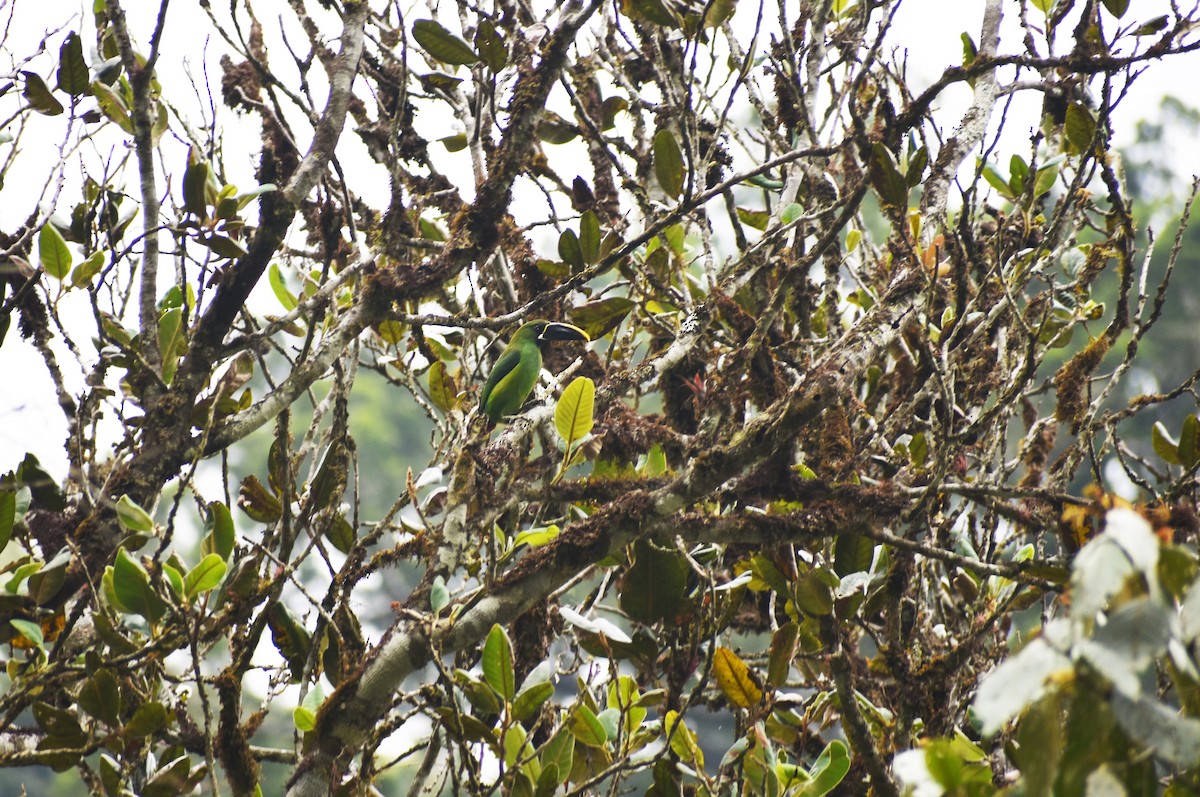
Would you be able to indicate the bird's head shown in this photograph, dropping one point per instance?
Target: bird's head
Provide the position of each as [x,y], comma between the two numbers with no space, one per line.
[543,332]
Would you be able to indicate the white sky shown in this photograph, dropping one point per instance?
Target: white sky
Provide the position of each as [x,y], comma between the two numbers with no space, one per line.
[30,420]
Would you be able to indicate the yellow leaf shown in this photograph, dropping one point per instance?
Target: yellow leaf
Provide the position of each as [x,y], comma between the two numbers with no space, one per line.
[733,676]
[573,415]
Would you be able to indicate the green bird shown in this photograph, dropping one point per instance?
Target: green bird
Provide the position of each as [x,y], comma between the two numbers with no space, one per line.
[517,371]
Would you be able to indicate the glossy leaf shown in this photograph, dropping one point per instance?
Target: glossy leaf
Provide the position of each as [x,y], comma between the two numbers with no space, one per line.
[589,237]
[72,69]
[828,770]
[132,516]
[1116,7]
[587,728]
[8,515]
[221,536]
[439,595]
[490,46]
[1164,445]
[280,288]
[668,163]
[1080,127]
[53,252]
[131,584]
[531,699]
[570,250]
[498,663]
[573,415]
[113,106]
[442,44]
[204,576]
[886,178]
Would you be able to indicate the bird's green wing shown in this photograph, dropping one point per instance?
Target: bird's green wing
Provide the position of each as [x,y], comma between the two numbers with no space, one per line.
[503,369]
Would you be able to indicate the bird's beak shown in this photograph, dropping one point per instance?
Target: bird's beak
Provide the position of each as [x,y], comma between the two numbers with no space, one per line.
[559,331]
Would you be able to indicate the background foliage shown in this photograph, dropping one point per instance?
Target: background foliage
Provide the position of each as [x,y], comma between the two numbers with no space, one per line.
[830,501]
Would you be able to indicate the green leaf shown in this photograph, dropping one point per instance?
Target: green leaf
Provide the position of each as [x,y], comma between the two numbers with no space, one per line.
[280,289]
[38,95]
[886,178]
[498,663]
[718,12]
[258,502]
[481,696]
[560,751]
[1153,26]
[916,167]
[814,593]
[668,163]
[149,718]
[758,219]
[439,595]
[1164,446]
[85,271]
[72,69]
[573,413]
[341,534]
[391,330]
[100,696]
[196,179]
[531,699]
[828,770]
[852,553]
[997,180]
[535,538]
[131,585]
[1116,7]
[586,727]
[53,252]
[113,106]
[490,46]
[1189,442]
[1080,126]
[600,317]
[781,653]
[653,587]
[290,638]
[204,576]
[442,44]
[223,246]
[31,631]
[304,717]
[8,516]
[170,341]
[221,537]
[570,250]
[589,237]
[609,110]
[442,390]
[174,578]
[133,517]
[1047,176]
